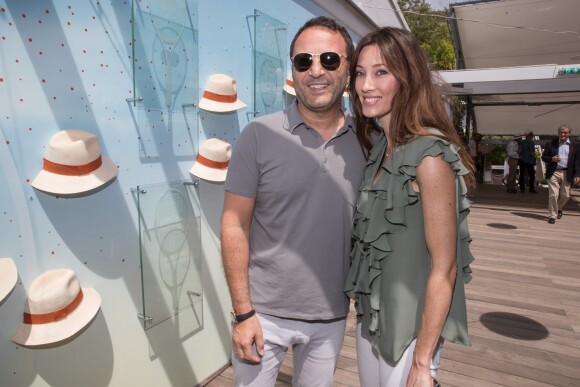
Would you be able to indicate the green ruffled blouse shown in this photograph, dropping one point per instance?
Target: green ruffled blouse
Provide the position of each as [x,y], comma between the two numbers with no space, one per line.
[390,260]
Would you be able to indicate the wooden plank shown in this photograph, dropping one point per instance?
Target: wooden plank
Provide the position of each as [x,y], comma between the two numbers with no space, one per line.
[523,302]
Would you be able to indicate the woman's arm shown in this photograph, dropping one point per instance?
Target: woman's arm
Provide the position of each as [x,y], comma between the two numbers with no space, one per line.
[436,182]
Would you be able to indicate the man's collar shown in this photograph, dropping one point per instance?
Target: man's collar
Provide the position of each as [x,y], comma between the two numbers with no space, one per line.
[294,119]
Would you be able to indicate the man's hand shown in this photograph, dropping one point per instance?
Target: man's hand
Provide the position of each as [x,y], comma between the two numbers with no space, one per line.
[244,335]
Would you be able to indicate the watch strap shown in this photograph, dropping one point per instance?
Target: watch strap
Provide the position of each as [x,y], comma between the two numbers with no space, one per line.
[238,318]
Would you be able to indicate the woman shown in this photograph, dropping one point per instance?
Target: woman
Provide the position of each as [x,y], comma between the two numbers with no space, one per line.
[410,255]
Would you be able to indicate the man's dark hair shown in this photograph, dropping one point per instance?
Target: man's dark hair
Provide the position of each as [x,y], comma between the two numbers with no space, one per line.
[331,24]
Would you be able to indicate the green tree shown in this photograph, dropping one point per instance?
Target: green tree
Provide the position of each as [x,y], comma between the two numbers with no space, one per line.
[430,28]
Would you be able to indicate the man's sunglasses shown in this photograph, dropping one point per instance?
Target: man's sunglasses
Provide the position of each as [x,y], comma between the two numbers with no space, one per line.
[329,60]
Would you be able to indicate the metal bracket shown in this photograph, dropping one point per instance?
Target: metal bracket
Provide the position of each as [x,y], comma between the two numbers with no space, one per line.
[145,319]
[134,99]
[184,105]
[253,15]
[142,191]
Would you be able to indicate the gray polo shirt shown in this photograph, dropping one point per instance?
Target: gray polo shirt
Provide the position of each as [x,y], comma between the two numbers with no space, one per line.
[305,191]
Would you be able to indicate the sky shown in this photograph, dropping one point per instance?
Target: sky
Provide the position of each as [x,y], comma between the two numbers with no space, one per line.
[440,4]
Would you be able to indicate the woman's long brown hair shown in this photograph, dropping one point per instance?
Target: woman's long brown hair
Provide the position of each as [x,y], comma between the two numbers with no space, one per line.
[417,104]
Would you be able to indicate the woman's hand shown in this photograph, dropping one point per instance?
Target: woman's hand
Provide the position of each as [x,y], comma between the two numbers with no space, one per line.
[419,377]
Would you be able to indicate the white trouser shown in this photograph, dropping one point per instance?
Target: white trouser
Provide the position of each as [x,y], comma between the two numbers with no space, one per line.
[315,350]
[374,371]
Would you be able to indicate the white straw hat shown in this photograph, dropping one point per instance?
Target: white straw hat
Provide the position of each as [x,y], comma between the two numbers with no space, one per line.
[289,85]
[212,161]
[8,277]
[220,95]
[56,308]
[73,164]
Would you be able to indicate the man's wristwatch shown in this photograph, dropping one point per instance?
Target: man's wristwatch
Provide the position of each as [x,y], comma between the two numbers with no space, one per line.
[238,318]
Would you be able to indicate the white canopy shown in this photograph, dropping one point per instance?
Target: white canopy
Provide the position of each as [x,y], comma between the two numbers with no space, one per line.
[518,56]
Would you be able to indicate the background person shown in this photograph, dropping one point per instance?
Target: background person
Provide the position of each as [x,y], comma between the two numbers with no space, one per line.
[513,154]
[476,155]
[290,193]
[410,255]
[562,168]
[528,163]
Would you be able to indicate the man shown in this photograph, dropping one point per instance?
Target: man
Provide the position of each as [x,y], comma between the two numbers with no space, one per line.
[290,193]
[513,154]
[562,168]
[528,162]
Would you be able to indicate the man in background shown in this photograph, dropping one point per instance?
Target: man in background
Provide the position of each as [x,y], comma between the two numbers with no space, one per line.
[562,169]
[528,163]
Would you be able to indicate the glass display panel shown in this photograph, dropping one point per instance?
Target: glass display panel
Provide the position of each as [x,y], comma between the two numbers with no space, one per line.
[165,44]
[269,64]
[170,245]
[165,47]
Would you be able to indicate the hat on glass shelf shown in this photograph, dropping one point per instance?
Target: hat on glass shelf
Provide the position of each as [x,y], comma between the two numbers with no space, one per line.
[8,277]
[73,164]
[56,309]
[518,135]
[220,95]
[528,133]
[212,161]
[289,85]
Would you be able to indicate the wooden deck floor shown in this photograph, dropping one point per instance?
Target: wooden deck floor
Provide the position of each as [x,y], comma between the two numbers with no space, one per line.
[523,301]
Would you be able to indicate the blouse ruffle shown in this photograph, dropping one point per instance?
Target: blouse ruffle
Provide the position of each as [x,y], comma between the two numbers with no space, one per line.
[380,213]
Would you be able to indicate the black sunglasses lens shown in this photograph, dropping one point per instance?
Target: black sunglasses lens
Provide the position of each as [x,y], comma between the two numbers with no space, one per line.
[330,60]
[302,62]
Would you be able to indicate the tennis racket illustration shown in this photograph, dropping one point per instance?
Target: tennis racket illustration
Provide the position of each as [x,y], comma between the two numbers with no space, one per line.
[168,18]
[172,220]
[268,84]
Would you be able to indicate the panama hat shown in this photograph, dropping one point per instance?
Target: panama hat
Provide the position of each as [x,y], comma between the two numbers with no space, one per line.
[73,164]
[8,277]
[212,161]
[220,95]
[56,309]
[289,85]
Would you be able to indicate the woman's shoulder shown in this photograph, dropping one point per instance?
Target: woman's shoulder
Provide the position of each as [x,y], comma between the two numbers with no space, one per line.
[421,143]
[411,154]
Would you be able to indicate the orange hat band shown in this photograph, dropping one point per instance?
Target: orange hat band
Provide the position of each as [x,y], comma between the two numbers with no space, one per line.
[55,316]
[289,83]
[212,164]
[220,97]
[72,170]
